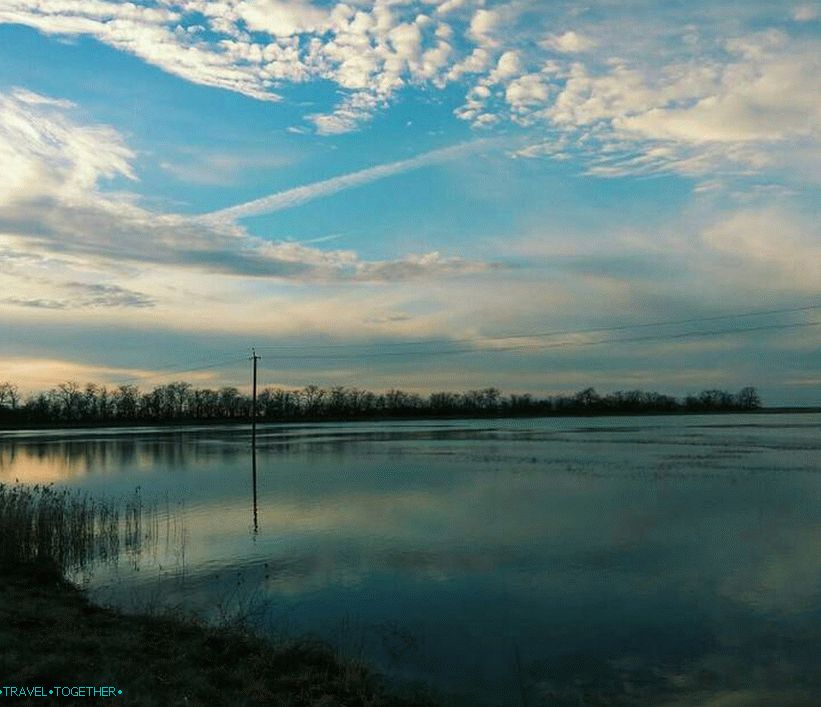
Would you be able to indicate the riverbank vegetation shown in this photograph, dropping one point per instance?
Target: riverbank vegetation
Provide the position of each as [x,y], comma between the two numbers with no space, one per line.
[71,403]
[51,634]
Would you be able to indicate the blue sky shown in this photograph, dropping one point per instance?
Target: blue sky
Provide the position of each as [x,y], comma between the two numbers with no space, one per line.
[182,180]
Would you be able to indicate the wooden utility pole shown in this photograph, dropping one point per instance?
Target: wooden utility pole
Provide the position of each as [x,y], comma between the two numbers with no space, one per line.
[254,359]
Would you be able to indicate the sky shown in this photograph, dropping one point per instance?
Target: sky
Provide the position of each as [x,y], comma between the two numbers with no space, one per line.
[412,193]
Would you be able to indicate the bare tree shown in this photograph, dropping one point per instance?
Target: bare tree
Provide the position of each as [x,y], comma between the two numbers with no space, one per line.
[9,395]
[69,397]
[748,398]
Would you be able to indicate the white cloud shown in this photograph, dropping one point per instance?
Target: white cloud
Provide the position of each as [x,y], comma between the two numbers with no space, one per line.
[569,43]
[478,61]
[52,206]
[451,5]
[44,153]
[151,33]
[483,25]
[406,40]
[695,118]
[219,167]
[81,295]
[282,18]
[297,196]
[664,92]
[528,90]
[773,97]
[350,114]
[372,52]
[806,13]
[509,65]
[772,245]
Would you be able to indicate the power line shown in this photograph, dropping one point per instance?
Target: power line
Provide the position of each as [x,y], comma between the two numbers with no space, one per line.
[555,345]
[175,371]
[179,369]
[547,334]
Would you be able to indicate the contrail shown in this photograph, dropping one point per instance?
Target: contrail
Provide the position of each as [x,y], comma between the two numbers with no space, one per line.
[300,195]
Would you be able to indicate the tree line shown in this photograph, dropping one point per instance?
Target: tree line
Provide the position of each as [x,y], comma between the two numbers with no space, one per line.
[179,401]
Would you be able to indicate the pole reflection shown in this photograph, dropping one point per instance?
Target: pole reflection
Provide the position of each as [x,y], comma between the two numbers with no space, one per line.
[254,478]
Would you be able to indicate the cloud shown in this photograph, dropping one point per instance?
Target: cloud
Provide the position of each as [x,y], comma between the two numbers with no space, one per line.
[35,303]
[36,374]
[525,91]
[297,196]
[282,19]
[508,66]
[371,51]
[681,89]
[251,46]
[569,43]
[116,232]
[774,97]
[451,5]
[220,168]
[703,97]
[54,209]
[483,24]
[771,244]
[419,266]
[84,295]
[348,116]
[806,13]
[747,114]
[100,295]
[43,152]
[154,33]
[692,90]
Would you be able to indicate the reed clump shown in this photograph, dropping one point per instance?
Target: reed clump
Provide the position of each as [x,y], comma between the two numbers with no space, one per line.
[59,637]
[68,528]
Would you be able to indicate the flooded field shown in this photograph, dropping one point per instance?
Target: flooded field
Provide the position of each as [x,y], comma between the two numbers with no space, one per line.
[540,561]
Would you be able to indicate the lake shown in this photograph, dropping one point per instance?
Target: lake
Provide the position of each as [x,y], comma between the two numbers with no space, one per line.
[531,561]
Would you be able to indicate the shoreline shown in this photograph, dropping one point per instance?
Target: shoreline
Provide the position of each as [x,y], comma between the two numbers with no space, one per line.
[51,635]
[193,422]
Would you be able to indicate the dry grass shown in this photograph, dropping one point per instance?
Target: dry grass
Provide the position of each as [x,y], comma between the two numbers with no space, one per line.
[50,634]
[67,528]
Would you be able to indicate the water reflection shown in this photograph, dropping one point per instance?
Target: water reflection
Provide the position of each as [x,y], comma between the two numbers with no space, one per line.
[254,481]
[651,560]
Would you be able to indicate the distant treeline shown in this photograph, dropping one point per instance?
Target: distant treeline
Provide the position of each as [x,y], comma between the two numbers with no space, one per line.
[179,401]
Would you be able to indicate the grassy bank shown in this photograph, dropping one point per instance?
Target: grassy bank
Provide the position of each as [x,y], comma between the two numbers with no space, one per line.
[51,634]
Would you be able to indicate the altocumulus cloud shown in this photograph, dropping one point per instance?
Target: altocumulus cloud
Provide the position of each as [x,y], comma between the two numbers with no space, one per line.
[690,88]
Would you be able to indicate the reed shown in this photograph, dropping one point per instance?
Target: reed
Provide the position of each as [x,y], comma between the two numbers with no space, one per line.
[68,527]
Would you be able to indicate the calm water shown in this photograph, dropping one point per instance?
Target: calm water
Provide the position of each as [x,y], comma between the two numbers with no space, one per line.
[547,561]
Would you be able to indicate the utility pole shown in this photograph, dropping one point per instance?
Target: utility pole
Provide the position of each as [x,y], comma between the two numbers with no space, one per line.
[254,358]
